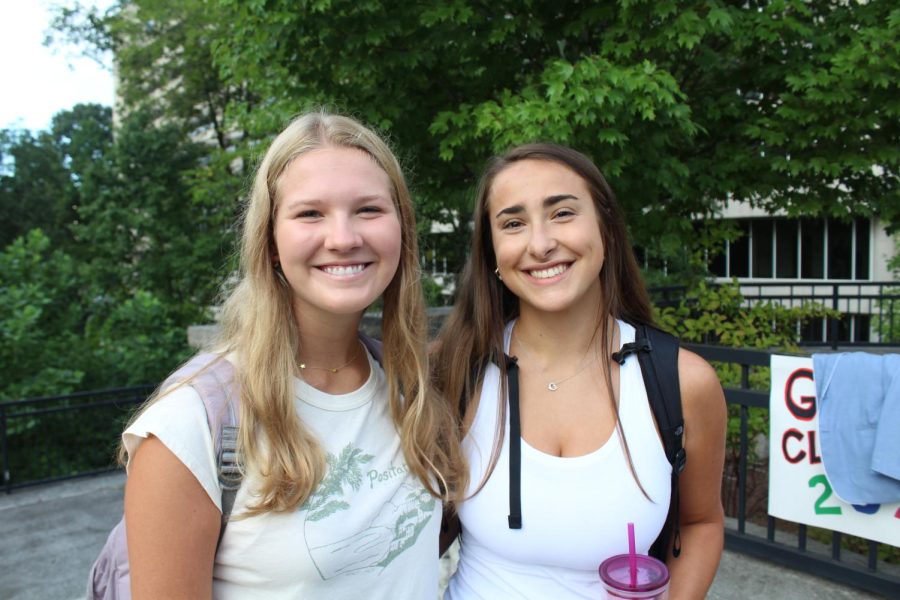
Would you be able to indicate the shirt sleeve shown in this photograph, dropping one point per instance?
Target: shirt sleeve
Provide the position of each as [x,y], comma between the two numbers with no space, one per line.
[178,420]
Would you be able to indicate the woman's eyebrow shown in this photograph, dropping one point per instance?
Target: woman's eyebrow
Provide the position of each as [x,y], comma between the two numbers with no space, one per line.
[313,202]
[305,202]
[551,200]
[548,202]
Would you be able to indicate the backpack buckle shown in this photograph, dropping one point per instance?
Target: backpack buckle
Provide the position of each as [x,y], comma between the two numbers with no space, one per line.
[680,461]
[639,345]
[229,467]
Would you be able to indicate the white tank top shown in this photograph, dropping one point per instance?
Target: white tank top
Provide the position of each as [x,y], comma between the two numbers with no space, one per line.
[575,510]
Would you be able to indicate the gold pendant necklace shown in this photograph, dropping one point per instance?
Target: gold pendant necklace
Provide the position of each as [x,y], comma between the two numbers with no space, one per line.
[304,366]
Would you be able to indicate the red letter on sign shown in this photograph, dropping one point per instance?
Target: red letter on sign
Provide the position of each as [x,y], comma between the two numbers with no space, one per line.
[814,457]
[804,407]
[792,433]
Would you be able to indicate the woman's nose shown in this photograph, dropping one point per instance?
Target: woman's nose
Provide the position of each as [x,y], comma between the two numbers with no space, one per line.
[542,242]
[342,235]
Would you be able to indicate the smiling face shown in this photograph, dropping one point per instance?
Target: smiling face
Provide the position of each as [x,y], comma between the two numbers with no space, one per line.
[336,231]
[546,236]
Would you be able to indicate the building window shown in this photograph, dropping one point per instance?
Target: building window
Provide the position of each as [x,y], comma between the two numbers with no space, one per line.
[862,233]
[785,248]
[812,249]
[787,243]
[718,264]
[762,240]
[840,250]
[739,252]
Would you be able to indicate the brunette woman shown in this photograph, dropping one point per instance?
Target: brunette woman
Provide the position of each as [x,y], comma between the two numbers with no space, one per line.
[551,282]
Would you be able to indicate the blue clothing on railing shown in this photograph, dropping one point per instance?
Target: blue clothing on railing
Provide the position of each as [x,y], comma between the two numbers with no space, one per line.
[859,424]
[886,456]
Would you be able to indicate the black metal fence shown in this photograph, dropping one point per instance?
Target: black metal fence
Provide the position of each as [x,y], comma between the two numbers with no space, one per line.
[61,437]
[792,548]
[869,310]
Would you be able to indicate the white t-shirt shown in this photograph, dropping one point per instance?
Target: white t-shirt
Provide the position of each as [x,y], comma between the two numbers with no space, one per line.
[574,510]
[370,530]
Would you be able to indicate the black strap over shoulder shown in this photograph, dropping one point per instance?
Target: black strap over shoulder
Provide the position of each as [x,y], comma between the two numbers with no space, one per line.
[515,445]
[657,353]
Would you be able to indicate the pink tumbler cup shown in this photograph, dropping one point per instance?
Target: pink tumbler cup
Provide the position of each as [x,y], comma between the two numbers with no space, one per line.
[651,583]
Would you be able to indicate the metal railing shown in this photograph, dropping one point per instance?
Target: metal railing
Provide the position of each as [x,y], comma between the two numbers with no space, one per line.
[797,554]
[869,310]
[62,437]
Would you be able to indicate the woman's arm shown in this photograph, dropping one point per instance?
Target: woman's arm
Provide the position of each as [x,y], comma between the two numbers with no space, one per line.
[702,516]
[172,526]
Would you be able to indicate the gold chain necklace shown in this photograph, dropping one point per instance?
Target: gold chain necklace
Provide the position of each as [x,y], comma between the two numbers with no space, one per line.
[304,366]
[553,385]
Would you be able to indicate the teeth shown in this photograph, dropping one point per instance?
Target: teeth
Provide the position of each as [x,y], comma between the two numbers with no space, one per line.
[551,272]
[343,270]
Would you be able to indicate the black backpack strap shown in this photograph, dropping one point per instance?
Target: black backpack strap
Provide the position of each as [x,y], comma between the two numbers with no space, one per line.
[657,353]
[515,445]
[514,519]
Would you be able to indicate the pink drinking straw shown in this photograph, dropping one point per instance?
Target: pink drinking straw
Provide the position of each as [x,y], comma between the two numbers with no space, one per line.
[632,556]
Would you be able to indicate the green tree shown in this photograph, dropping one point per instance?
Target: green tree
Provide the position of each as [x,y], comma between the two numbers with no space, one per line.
[684,105]
[35,188]
[38,320]
[47,347]
[174,133]
[138,258]
[43,173]
[163,61]
[84,137]
[141,230]
[138,342]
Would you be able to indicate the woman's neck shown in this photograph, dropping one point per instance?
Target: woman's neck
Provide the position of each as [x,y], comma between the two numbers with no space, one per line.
[554,338]
[329,342]
[331,358]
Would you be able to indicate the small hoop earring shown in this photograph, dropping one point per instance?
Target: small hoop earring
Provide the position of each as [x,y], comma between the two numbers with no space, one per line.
[497,273]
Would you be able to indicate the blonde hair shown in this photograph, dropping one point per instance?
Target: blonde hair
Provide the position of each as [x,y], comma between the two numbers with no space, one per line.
[258,324]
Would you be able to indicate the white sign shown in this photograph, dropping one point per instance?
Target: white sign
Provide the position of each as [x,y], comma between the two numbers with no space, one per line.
[799,491]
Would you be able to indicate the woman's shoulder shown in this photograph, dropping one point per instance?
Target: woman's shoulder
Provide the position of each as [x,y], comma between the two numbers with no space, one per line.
[178,420]
[700,387]
[178,409]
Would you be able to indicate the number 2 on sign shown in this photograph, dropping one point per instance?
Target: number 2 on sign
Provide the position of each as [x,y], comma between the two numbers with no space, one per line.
[826,493]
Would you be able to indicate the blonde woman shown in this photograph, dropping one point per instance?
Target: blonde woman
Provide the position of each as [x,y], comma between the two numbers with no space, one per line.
[345,461]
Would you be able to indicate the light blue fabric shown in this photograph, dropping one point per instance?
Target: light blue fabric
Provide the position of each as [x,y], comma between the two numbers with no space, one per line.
[886,456]
[858,396]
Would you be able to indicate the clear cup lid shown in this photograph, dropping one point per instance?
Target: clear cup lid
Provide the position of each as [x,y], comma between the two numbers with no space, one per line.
[652,574]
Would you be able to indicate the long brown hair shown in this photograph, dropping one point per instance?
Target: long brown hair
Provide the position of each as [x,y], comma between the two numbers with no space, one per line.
[472,334]
[259,326]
